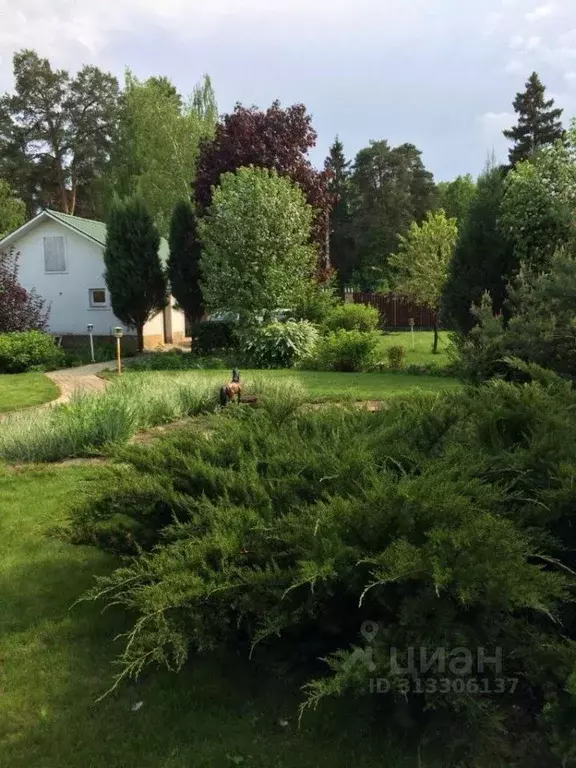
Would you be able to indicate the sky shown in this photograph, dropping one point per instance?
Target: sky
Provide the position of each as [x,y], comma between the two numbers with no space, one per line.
[441,74]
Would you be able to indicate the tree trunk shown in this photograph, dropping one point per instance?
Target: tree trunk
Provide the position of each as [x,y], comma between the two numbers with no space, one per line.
[140,332]
[62,186]
[435,345]
[72,206]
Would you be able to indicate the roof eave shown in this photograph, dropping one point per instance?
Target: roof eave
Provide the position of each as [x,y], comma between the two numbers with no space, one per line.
[45,214]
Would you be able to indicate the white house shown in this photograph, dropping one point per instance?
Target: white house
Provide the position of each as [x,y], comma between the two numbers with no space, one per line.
[62,257]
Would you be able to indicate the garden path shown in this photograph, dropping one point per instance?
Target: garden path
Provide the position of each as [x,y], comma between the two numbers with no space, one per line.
[81,379]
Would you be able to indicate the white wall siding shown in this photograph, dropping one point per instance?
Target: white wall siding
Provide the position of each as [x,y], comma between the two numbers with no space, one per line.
[67,293]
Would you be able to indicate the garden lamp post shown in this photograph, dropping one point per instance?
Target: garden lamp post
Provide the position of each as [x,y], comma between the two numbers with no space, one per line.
[118,335]
[90,329]
[411,323]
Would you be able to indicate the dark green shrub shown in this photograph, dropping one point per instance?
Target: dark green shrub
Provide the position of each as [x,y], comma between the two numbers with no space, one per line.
[29,350]
[78,353]
[316,303]
[345,351]
[213,336]
[176,360]
[353,317]
[396,357]
[447,523]
[540,330]
[279,345]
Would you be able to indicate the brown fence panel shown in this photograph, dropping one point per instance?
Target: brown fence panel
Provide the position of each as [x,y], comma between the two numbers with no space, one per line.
[397,310]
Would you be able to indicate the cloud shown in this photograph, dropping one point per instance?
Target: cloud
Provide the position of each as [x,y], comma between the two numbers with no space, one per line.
[570,76]
[72,32]
[515,67]
[519,43]
[493,123]
[541,12]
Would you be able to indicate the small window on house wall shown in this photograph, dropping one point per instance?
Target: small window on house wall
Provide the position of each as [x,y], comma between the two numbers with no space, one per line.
[54,254]
[98,298]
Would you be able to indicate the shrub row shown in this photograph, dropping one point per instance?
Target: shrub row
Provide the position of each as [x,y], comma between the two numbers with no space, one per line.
[29,351]
[442,522]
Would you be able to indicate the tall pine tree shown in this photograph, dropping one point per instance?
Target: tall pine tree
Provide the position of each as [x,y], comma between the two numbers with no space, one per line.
[134,273]
[342,255]
[56,134]
[184,261]
[538,122]
[390,188]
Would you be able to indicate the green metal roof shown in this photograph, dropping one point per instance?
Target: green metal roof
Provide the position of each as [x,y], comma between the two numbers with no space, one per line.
[96,230]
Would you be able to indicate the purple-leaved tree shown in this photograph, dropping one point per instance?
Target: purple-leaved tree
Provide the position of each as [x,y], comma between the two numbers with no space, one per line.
[20,310]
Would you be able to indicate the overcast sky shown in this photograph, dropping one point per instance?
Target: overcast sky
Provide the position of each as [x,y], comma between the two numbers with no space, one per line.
[441,74]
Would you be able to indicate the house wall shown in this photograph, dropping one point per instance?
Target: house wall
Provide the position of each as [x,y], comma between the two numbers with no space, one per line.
[154,332]
[66,292]
[178,322]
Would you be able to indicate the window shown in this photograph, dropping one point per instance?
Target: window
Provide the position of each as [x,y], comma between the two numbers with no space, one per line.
[54,254]
[98,298]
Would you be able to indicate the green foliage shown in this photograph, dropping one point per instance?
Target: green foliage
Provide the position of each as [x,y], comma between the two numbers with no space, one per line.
[342,252]
[455,197]
[12,210]
[542,329]
[184,261]
[389,188]
[92,423]
[134,275]
[78,352]
[444,522]
[538,122]
[423,258]
[539,203]
[353,317]
[315,302]
[173,360]
[28,351]
[280,345]
[396,357]
[210,336]
[480,353]
[423,261]
[484,258]
[158,143]
[255,243]
[345,351]
[56,135]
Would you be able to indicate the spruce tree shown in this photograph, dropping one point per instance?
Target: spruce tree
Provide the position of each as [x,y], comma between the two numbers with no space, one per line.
[483,260]
[184,261]
[538,122]
[134,273]
[342,255]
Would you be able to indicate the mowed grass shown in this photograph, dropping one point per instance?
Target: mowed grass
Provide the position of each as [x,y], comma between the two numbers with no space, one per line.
[56,662]
[22,390]
[418,347]
[325,386]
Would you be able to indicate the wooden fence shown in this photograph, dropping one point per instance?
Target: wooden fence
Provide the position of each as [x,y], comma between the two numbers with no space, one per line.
[396,310]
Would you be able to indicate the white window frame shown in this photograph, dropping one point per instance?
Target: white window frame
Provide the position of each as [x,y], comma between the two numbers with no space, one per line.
[65,249]
[98,305]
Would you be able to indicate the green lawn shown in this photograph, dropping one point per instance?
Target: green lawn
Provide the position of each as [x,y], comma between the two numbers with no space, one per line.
[21,390]
[327,386]
[418,347]
[55,662]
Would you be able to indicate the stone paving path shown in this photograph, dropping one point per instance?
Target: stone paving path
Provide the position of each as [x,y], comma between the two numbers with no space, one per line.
[82,379]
